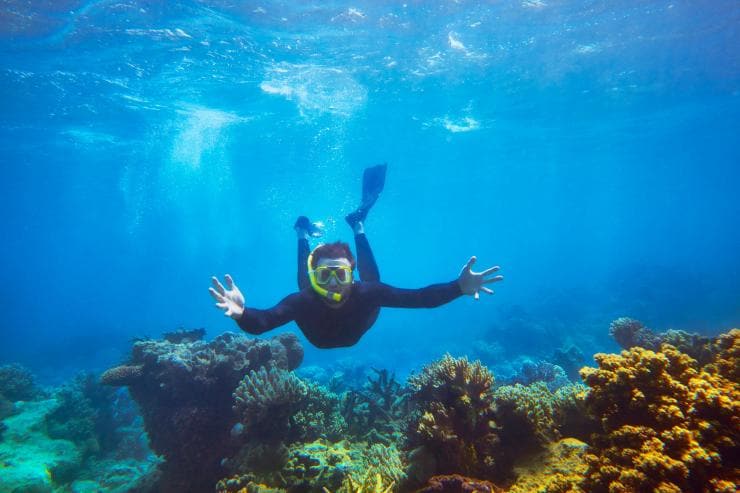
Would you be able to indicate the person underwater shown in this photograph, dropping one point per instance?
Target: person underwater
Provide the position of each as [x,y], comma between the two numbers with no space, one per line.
[332,308]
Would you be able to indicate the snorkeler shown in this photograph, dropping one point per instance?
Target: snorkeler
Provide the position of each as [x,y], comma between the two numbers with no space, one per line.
[332,308]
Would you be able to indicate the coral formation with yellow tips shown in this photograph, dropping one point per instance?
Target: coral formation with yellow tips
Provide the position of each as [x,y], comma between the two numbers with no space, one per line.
[667,423]
[454,429]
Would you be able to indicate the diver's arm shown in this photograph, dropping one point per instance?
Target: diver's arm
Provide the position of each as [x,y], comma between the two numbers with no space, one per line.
[256,321]
[251,320]
[428,297]
[468,282]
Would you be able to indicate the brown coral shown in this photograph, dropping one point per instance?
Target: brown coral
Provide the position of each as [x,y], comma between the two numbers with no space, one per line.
[454,429]
[124,375]
[668,424]
[458,484]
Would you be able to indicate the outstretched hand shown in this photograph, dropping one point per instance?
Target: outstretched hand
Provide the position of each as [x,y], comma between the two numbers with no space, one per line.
[474,282]
[230,300]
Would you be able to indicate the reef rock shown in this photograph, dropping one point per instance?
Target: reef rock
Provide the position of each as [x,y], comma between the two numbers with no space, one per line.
[184,391]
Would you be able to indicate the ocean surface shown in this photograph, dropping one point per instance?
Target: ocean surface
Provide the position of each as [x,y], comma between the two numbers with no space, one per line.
[588,148]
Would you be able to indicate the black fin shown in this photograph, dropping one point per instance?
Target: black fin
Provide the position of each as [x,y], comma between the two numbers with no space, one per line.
[373,181]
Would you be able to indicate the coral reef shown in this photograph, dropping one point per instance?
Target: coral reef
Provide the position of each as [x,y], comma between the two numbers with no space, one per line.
[571,360]
[17,384]
[84,415]
[378,410]
[456,483]
[667,423]
[318,416]
[29,459]
[539,371]
[321,465]
[453,429]
[558,471]
[184,335]
[266,400]
[369,483]
[122,376]
[631,333]
[184,391]
[531,417]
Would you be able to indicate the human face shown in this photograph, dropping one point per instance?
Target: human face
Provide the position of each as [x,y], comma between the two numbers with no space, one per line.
[333,283]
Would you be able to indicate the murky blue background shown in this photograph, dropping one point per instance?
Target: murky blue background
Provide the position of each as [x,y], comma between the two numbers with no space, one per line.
[590,148]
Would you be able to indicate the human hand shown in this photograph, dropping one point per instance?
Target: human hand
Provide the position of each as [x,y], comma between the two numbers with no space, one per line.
[230,300]
[473,282]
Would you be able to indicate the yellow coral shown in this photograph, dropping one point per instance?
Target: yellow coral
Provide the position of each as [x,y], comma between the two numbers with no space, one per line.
[668,424]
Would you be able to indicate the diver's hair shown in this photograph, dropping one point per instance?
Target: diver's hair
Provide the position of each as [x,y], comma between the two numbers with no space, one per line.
[338,249]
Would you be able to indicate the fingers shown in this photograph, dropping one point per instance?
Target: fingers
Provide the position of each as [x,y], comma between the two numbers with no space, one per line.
[476,295]
[216,296]
[219,287]
[490,271]
[489,291]
[470,263]
[493,279]
[229,281]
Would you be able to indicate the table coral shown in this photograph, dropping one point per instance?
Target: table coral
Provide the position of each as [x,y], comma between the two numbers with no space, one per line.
[453,430]
[668,424]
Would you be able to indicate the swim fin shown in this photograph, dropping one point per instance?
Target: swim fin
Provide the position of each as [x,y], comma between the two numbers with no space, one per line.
[373,181]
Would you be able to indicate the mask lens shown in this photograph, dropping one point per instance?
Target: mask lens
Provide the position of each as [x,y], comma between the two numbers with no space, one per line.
[342,275]
[323,275]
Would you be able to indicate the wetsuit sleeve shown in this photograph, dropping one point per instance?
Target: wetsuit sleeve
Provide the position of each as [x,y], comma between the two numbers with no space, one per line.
[428,297]
[256,321]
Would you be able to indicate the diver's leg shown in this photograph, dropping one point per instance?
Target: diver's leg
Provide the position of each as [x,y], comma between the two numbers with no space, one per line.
[366,264]
[303,251]
[304,229]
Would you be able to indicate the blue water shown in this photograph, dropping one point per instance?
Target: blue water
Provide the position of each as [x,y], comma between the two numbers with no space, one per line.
[589,148]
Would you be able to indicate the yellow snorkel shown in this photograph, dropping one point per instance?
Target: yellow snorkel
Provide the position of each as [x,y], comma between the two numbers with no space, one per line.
[315,285]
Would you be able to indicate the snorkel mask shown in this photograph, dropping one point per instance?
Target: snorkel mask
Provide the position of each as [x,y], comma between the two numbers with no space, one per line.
[345,278]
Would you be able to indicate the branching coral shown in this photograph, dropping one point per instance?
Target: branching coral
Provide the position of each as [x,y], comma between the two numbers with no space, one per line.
[377,412]
[668,424]
[454,430]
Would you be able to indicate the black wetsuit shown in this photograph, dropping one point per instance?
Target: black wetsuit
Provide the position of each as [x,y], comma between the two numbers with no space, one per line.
[328,327]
